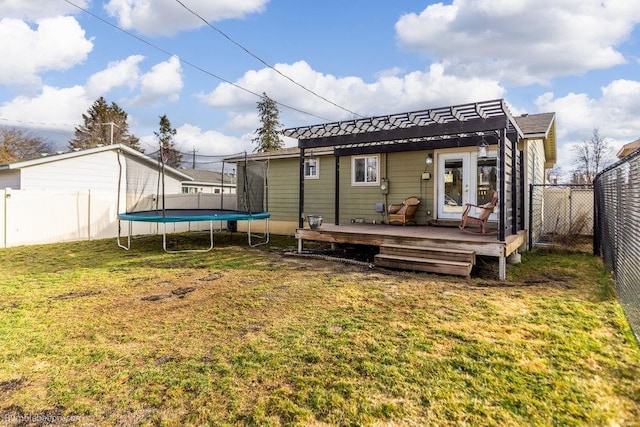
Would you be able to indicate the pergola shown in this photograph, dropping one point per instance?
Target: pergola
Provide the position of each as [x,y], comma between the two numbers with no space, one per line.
[464,125]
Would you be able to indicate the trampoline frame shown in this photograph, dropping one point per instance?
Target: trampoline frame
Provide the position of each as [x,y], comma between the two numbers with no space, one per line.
[169,216]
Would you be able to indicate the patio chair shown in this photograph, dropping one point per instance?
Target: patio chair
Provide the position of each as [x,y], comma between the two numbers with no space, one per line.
[482,215]
[403,214]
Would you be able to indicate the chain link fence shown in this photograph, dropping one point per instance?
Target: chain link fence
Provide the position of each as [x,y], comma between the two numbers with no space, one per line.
[562,216]
[617,233]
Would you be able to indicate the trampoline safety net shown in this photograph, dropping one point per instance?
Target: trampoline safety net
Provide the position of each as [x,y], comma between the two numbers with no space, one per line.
[251,186]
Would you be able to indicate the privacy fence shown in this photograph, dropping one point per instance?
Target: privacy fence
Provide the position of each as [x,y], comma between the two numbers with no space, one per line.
[617,234]
[29,217]
[561,215]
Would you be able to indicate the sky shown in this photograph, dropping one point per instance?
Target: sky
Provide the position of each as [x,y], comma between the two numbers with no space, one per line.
[205,63]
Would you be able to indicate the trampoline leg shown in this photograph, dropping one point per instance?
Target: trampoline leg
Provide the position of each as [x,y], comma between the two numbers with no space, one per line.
[264,237]
[164,241]
[126,248]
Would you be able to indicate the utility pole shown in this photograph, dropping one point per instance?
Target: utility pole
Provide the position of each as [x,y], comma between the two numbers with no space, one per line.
[112,124]
[193,164]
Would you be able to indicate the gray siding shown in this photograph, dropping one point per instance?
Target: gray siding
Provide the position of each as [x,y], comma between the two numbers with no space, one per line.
[10,179]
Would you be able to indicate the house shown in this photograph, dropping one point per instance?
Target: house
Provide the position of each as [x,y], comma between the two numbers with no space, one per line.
[628,148]
[349,172]
[77,195]
[204,181]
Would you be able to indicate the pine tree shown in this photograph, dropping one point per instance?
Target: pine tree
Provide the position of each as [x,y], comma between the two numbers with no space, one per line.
[170,155]
[268,136]
[103,125]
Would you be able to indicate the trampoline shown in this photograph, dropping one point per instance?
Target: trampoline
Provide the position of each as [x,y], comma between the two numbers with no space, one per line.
[168,216]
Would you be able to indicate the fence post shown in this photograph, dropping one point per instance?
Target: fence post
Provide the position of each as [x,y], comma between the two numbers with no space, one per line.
[5,195]
[531,187]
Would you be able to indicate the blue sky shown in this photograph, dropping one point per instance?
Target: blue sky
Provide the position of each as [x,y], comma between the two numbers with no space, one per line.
[578,58]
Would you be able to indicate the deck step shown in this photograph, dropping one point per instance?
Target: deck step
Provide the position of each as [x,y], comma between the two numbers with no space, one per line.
[441,266]
[429,253]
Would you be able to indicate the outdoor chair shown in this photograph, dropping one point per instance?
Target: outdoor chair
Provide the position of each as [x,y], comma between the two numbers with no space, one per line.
[482,215]
[403,214]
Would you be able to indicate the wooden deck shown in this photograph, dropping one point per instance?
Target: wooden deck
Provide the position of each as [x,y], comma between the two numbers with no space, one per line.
[412,236]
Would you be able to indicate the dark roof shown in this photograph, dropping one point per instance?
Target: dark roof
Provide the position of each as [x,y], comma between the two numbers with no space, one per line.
[542,126]
[205,176]
[535,124]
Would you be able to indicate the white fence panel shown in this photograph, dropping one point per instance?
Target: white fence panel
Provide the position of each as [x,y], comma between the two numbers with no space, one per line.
[29,217]
[568,210]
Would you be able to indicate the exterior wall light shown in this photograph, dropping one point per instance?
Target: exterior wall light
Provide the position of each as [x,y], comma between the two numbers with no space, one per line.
[482,148]
[429,159]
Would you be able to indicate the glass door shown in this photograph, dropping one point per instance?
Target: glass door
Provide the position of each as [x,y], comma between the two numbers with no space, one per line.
[453,184]
[465,178]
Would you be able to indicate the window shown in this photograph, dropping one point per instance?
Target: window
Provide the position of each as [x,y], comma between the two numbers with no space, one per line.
[311,168]
[364,170]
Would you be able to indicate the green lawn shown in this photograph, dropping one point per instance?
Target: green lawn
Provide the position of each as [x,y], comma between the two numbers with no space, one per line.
[94,335]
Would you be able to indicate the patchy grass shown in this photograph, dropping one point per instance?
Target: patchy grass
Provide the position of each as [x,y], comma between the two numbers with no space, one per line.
[92,334]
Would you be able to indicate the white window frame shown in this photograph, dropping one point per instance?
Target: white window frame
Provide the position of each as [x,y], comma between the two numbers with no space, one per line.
[367,160]
[307,168]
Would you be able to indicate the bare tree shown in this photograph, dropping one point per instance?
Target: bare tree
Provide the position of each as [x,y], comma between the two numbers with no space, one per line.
[591,157]
[19,144]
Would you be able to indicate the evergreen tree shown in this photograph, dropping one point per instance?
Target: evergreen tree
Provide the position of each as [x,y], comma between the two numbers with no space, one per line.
[268,136]
[103,125]
[170,155]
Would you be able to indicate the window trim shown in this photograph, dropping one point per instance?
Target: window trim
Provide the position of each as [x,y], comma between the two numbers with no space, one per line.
[317,169]
[353,170]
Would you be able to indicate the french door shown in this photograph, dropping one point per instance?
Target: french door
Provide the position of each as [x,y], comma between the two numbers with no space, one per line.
[464,178]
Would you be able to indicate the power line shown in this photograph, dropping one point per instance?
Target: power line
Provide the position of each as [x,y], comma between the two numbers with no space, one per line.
[263,61]
[166,52]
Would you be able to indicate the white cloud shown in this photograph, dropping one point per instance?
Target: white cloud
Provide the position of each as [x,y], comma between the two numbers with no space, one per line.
[523,41]
[616,115]
[416,90]
[209,142]
[61,107]
[164,80]
[33,10]
[167,17]
[55,44]
[117,74]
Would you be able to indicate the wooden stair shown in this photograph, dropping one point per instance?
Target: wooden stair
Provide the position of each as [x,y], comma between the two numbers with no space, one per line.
[434,260]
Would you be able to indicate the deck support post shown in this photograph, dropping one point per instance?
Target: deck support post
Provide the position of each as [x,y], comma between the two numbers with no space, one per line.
[502,267]
[299,245]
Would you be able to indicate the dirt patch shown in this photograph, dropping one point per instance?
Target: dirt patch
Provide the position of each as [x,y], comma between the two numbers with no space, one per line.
[72,295]
[181,292]
[10,385]
[210,277]
[156,297]
[178,292]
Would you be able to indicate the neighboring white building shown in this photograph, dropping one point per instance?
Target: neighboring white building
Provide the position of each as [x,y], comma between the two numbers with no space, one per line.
[204,181]
[78,195]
